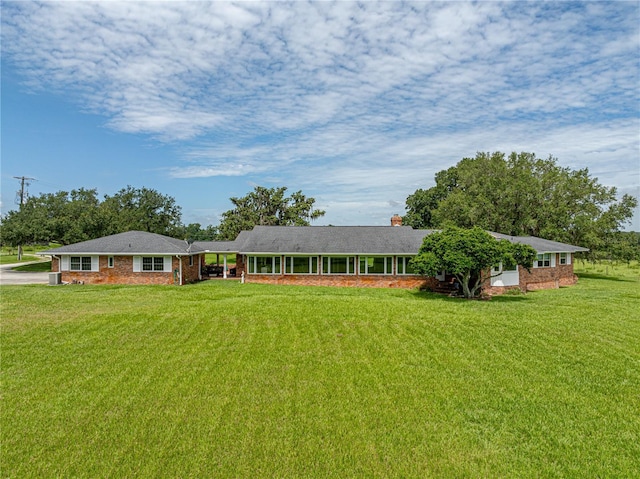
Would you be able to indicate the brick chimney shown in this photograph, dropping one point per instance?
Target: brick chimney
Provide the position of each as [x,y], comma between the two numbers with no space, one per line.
[396,220]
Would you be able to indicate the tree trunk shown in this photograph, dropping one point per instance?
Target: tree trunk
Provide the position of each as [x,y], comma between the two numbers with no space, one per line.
[464,282]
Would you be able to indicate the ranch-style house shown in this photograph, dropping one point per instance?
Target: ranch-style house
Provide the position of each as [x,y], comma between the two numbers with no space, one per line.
[361,256]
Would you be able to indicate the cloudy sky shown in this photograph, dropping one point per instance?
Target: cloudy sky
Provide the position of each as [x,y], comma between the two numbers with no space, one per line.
[356,104]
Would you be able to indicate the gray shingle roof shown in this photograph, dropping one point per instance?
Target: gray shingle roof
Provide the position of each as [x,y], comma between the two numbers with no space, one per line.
[541,245]
[391,240]
[332,240]
[223,246]
[129,243]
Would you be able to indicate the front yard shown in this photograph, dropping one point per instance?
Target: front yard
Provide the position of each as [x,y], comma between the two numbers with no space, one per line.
[229,380]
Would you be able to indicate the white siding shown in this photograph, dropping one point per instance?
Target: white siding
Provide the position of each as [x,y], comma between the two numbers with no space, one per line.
[506,278]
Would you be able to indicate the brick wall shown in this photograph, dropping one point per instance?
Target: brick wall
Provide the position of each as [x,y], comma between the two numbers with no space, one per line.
[540,278]
[122,272]
[364,281]
[547,278]
[190,274]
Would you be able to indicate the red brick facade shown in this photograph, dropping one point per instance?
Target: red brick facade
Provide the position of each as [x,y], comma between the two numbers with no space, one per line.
[540,278]
[364,281]
[547,278]
[122,272]
[537,278]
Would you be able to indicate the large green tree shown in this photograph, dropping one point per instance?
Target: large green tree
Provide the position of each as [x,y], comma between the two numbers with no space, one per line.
[62,217]
[143,209]
[69,217]
[521,194]
[267,206]
[469,255]
[195,232]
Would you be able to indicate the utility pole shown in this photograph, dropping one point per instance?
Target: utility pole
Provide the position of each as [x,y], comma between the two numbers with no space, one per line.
[23,180]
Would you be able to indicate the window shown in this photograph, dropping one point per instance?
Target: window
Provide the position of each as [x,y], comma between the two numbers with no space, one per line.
[110,262]
[565,258]
[80,263]
[264,264]
[376,265]
[543,260]
[301,265]
[190,260]
[149,264]
[152,263]
[339,265]
[404,265]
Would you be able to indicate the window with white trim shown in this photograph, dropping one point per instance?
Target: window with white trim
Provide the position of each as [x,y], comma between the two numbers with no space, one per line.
[376,265]
[338,265]
[110,262]
[80,263]
[301,265]
[404,265]
[264,264]
[152,263]
[565,258]
[544,260]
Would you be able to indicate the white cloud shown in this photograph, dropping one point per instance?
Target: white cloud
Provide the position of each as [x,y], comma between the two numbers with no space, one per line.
[360,103]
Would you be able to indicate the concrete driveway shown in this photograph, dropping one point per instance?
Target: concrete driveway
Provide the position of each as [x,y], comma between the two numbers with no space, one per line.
[10,277]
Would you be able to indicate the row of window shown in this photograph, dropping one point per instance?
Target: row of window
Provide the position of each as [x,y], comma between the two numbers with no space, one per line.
[140,263]
[367,264]
[328,265]
[548,260]
[304,264]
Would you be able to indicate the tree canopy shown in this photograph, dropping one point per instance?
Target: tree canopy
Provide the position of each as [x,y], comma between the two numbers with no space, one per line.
[70,217]
[141,209]
[267,206]
[522,195]
[469,254]
[62,217]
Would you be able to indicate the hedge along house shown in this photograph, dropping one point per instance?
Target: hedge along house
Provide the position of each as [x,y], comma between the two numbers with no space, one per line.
[134,257]
[376,256]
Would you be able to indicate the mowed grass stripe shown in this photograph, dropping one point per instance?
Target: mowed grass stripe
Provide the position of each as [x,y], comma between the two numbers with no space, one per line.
[253,380]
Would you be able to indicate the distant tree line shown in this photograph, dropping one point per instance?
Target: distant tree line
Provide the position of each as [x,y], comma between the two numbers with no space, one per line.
[518,194]
[70,217]
[523,195]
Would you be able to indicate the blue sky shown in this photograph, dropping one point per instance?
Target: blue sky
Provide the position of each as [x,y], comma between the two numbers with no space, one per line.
[356,104]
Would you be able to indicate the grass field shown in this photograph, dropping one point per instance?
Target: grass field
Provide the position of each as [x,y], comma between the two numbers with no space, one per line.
[9,255]
[220,379]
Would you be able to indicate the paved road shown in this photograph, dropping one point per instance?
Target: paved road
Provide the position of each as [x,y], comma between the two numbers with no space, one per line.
[8,276]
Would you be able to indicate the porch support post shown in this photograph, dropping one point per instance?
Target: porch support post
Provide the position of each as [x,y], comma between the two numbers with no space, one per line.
[224,271]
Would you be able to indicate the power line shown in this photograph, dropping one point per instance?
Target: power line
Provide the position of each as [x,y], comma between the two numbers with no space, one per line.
[24,180]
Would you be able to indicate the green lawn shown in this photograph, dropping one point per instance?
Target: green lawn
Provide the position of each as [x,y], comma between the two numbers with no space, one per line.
[13,258]
[40,267]
[9,255]
[220,379]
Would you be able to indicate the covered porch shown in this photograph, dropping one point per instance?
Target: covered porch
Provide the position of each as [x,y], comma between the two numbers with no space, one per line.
[219,260]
